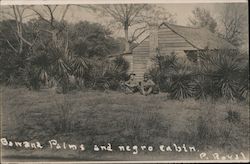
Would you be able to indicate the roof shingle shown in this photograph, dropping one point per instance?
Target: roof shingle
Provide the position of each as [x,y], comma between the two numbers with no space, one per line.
[200,38]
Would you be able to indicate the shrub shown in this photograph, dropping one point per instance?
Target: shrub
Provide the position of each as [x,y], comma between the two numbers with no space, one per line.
[64,123]
[32,78]
[174,75]
[222,70]
[107,74]
[219,74]
[202,88]
[72,52]
[162,74]
[244,81]
[182,84]
[116,72]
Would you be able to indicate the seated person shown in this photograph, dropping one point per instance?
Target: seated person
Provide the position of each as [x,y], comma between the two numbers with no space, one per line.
[131,86]
[146,86]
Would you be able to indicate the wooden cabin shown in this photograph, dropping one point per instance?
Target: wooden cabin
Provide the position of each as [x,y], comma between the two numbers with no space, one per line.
[166,39]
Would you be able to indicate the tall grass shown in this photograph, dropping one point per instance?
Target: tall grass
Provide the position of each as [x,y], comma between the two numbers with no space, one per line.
[95,117]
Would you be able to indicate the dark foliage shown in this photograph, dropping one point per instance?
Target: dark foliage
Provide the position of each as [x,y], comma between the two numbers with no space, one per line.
[74,53]
[223,72]
[219,74]
[107,74]
[162,75]
[182,85]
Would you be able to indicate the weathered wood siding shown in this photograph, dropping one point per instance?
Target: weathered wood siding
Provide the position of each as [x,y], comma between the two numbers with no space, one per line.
[168,42]
[140,59]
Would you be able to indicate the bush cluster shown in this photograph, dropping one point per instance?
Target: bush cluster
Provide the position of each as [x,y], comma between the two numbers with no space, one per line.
[218,74]
[78,57]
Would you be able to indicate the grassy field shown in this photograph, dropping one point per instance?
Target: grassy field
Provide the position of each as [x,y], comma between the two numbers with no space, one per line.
[95,117]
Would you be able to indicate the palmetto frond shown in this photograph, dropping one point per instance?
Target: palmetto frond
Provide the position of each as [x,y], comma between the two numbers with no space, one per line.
[183,85]
[223,70]
[79,66]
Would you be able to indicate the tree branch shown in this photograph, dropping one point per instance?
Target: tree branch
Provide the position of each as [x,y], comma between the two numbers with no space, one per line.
[64,13]
[11,46]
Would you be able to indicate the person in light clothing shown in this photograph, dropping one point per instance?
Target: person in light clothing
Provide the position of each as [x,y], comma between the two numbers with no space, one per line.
[131,86]
[146,86]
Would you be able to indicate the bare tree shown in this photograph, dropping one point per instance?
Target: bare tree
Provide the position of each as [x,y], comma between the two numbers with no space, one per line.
[19,15]
[234,23]
[47,13]
[202,18]
[136,15]
[53,15]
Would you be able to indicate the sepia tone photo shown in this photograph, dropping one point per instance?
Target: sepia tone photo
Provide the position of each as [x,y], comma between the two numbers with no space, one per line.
[124,82]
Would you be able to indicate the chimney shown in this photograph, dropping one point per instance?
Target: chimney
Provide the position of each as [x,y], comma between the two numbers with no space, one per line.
[153,43]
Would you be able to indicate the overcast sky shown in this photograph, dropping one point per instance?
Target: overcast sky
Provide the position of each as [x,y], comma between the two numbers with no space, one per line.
[182,11]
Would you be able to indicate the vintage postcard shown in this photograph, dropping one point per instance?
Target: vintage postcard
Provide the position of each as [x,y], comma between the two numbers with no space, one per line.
[124,81]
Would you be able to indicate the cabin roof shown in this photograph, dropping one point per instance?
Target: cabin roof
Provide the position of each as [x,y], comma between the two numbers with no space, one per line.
[200,38]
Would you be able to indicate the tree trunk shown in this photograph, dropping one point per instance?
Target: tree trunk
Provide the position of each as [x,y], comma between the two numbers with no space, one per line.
[127,48]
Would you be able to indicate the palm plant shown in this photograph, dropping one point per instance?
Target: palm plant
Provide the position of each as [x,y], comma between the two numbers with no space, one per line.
[174,75]
[203,87]
[222,69]
[58,65]
[80,67]
[41,61]
[108,73]
[244,81]
[182,85]
[162,74]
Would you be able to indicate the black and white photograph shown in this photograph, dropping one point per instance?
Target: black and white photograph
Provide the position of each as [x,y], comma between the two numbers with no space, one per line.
[124,81]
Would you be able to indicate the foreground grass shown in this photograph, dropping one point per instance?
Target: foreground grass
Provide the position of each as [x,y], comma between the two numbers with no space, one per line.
[95,117]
